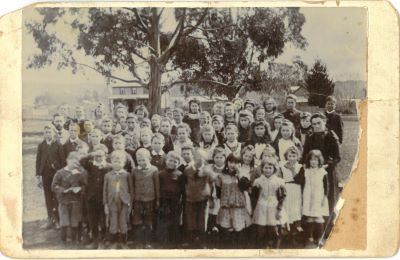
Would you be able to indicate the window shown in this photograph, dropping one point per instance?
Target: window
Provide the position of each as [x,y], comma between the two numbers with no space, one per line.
[121,91]
[134,91]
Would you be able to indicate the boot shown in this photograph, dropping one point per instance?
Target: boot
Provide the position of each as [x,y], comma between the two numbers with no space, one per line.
[74,235]
[113,241]
[64,234]
[123,241]
[319,230]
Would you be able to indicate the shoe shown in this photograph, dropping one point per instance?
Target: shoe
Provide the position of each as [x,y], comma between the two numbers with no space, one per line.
[47,225]
[148,246]
[113,246]
[125,246]
[92,245]
[57,226]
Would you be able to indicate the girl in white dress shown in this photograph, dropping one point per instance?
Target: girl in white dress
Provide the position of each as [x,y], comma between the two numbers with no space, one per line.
[315,203]
[269,215]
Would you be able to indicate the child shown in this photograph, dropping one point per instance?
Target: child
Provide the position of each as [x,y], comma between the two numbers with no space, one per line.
[198,182]
[186,153]
[97,167]
[208,141]
[171,196]
[145,123]
[334,120]
[293,200]
[276,127]
[155,123]
[286,140]
[146,190]
[63,110]
[314,181]
[246,120]
[169,113]
[269,214]
[165,130]
[141,112]
[250,105]
[247,170]
[87,127]
[106,128]
[238,102]
[218,109]
[233,217]
[157,153]
[192,119]
[230,113]
[49,159]
[120,111]
[231,144]
[291,113]
[95,138]
[260,137]
[145,138]
[182,137]
[259,113]
[79,117]
[270,110]
[73,141]
[204,118]
[117,199]
[132,124]
[217,123]
[98,115]
[119,145]
[305,127]
[178,117]
[68,185]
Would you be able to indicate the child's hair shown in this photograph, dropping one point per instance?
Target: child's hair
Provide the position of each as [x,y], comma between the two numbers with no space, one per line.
[278,116]
[146,131]
[82,146]
[106,120]
[166,119]
[315,153]
[194,100]
[142,108]
[290,125]
[183,126]
[250,102]
[158,136]
[291,96]
[100,147]
[331,99]
[187,147]
[173,155]
[131,115]
[219,150]
[247,114]
[56,115]
[305,115]
[206,115]
[99,106]
[119,153]
[95,131]
[118,138]
[318,115]
[143,152]
[231,158]
[268,149]
[264,123]
[48,126]
[292,150]
[256,109]
[178,110]
[73,156]
[76,127]
[118,106]
[206,129]
[269,98]
[218,104]
[231,127]
[145,120]
[218,118]
[156,116]
[249,148]
[270,161]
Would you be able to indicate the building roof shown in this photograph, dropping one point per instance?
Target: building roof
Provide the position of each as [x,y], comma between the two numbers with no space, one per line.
[132,96]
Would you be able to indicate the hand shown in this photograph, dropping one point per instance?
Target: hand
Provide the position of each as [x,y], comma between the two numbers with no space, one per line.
[76,189]
[106,210]
[39,182]
[325,166]
[67,190]
[278,214]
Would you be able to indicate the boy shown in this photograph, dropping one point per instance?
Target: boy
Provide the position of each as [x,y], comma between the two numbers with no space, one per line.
[49,159]
[217,122]
[178,117]
[97,167]
[60,133]
[291,113]
[305,127]
[155,123]
[141,112]
[250,105]
[182,137]
[334,120]
[187,156]
[106,127]
[146,194]
[87,127]
[117,199]
[73,142]
[171,195]
[69,184]
[145,123]
[157,153]
[119,145]
[165,130]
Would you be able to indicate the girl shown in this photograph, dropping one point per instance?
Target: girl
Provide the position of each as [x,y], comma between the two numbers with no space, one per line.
[165,130]
[249,104]
[141,112]
[232,146]
[293,201]
[269,214]
[276,126]
[314,181]
[178,117]
[286,139]
[260,137]
[182,137]
[208,141]
[218,109]
[217,123]
[245,122]
[120,110]
[192,119]
[270,110]
[230,113]
[132,124]
[259,113]
[247,170]
[233,216]
[155,123]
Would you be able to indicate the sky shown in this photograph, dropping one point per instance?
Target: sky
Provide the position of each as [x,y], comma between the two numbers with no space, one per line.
[337,36]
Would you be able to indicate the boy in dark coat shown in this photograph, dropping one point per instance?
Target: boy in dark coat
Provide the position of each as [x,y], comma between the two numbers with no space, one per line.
[49,159]
[334,120]
[291,113]
[73,141]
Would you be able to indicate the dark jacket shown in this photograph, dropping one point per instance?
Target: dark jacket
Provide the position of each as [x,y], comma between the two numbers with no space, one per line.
[293,116]
[334,122]
[64,180]
[95,177]
[49,158]
[70,147]
[327,142]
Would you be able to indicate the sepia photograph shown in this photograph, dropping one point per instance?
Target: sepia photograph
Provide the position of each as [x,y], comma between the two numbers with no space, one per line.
[188,128]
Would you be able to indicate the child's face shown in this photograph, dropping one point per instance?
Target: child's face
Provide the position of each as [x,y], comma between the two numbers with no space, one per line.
[107,127]
[267,155]
[232,165]
[100,157]
[155,121]
[330,106]
[318,125]
[131,124]
[58,122]
[142,160]
[157,144]
[290,104]
[88,126]
[268,170]
[260,114]
[305,122]
[177,117]
[94,138]
[187,155]
[203,120]
[231,135]
[218,110]
[314,162]
[73,132]
[123,124]
[83,151]
[140,114]
[198,163]
[98,112]
[118,144]
[194,107]
[219,159]
[278,123]
[117,162]
[238,104]
[145,124]
[171,163]
[259,131]
[165,127]
[182,134]
[169,114]
[48,134]
[145,138]
[229,111]
[247,158]
[207,136]
[286,132]
[292,157]
[249,107]
[63,110]
[244,122]
[217,125]
[120,112]
[269,105]
[79,113]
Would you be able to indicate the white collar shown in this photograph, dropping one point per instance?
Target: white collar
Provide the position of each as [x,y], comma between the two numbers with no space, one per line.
[159,153]
[141,168]
[49,142]
[219,168]
[333,111]
[99,164]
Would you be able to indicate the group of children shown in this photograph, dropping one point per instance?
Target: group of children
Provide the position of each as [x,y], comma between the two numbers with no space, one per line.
[242,176]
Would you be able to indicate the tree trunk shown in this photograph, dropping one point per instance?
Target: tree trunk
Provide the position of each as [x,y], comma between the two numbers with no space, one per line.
[155,86]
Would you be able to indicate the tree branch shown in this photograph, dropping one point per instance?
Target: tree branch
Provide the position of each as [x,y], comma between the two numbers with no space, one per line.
[159,16]
[142,26]
[193,28]
[200,81]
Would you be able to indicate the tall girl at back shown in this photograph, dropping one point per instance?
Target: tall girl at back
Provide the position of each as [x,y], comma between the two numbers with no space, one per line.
[192,119]
[286,139]
[260,137]
[269,214]
[244,126]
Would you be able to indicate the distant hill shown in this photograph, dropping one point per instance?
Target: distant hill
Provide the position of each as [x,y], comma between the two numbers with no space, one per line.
[351,89]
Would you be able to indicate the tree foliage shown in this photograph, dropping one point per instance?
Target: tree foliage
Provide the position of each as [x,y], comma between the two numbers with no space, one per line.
[319,84]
